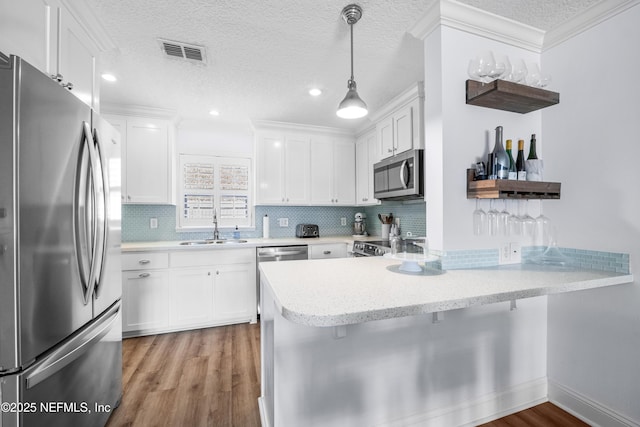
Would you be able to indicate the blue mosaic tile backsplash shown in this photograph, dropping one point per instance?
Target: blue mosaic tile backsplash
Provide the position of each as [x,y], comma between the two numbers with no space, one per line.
[135,221]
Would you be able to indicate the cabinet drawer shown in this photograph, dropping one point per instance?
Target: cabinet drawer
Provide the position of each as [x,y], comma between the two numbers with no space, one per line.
[330,250]
[197,258]
[145,260]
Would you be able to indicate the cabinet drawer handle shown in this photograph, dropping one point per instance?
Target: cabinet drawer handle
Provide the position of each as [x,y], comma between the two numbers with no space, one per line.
[327,252]
[143,275]
[144,261]
[389,150]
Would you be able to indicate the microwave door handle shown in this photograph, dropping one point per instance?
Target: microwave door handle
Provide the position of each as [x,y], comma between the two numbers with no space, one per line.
[404,179]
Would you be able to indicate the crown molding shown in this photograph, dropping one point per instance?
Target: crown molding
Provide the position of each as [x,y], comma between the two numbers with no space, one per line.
[589,18]
[138,111]
[298,127]
[463,17]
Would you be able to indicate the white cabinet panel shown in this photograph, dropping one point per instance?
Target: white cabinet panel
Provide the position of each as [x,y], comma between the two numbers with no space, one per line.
[344,173]
[403,130]
[191,295]
[385,137]
[145,300]
[366,157]
[296,176]
[234,292]
[328,250]
[270,169]
[332,172]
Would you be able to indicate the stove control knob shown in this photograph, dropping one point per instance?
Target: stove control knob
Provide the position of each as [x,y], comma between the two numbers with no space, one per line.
[379,252]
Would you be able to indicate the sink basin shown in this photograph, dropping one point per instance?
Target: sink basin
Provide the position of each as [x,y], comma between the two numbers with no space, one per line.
[211,242]
[231,241]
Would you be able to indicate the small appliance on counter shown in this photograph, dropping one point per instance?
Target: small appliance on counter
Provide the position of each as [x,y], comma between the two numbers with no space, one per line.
[307,230]
[359,225]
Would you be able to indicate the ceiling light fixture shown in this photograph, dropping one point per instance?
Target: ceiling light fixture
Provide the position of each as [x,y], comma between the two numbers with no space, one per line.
[315,92]
[352,107]
[214,112]
[109,77]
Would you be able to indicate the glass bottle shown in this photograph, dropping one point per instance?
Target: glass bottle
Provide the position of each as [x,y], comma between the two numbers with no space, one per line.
[520,165]
[501,159]
[532,148]
[513,174]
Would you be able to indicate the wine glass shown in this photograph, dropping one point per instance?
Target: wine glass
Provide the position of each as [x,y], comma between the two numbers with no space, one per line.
[479,221]
[492,219]
[543,229]
[503,221]
[514,221]
[519,71]
[533,76]
[527,221]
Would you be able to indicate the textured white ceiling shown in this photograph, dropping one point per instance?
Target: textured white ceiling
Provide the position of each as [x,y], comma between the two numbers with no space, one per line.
[262,57]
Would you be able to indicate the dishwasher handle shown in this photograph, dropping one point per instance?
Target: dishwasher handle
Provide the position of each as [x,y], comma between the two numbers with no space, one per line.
[282,251]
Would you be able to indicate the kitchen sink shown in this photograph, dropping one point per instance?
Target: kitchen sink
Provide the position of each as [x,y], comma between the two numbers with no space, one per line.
[212,242]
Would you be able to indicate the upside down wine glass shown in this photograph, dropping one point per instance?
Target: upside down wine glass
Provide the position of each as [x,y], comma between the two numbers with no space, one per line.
[479,221]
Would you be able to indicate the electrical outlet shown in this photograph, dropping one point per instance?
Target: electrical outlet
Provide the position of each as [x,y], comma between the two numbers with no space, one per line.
[343,221]
[153,223]
[510,253]
[283,222]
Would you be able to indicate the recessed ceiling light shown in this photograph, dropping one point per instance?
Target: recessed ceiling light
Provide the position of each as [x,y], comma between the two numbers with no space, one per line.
[109,77]
[214,113]
[315,92]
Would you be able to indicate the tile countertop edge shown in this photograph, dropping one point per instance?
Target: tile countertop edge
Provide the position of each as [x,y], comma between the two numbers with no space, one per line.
[251,243]
[360,316]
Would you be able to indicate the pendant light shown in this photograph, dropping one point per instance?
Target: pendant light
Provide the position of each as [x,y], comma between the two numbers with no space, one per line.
[352,107]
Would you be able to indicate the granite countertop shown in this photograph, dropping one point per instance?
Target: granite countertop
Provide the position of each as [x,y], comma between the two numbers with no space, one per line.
[251,243]
[344,291]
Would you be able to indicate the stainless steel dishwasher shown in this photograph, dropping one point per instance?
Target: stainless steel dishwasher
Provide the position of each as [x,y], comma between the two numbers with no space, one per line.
[277,253]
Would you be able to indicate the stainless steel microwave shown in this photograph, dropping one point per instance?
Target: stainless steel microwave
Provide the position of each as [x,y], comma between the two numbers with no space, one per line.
[400,177]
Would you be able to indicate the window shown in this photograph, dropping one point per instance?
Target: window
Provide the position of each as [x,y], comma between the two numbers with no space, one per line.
[212,183]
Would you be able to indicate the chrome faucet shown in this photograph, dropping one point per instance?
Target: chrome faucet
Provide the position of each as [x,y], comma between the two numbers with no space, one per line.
[216,233]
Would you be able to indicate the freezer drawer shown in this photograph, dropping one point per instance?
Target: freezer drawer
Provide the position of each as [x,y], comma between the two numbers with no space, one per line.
[77,384]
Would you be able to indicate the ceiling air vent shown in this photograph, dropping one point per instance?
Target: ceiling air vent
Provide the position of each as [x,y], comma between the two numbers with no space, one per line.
[179,50]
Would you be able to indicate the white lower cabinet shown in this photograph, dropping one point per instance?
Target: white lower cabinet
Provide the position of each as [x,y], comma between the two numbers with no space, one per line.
[328,250]
[180,290]
[145,300]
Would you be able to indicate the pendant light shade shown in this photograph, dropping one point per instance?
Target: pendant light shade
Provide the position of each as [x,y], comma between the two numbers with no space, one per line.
[352,106]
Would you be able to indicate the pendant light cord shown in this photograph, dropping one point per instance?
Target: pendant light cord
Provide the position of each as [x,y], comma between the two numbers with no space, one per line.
[351,27]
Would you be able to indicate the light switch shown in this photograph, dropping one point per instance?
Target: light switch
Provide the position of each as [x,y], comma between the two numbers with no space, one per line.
[153,223]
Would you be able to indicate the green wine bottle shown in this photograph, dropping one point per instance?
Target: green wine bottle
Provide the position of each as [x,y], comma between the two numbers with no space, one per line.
[520,166]
[513,174]
[532,148]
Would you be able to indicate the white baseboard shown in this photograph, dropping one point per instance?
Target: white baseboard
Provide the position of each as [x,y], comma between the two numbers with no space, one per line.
[586,409]
[482,410]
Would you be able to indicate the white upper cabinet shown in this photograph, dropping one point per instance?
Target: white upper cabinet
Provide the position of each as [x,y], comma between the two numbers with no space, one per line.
[60,38]
[283,169]
[303,165]
[147,159]
[400,123]
[332,171]
[366,157]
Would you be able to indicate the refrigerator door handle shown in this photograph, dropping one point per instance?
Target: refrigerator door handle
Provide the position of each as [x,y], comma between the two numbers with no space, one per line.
[104,214]
[97,219]
[83,219]
[72,349]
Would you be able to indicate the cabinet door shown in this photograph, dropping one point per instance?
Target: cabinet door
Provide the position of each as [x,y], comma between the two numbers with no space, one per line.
[296,170]
[191,297]
[270,169]
[344,174]
[403,130]
[120,125]
[373,159]
[362,171]
[322,186]
[234,292]
[27,29]
[384,129]
[145,300]
[147,156]
[77,58]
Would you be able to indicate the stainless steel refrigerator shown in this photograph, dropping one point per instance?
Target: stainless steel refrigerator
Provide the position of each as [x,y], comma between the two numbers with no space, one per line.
[60,279]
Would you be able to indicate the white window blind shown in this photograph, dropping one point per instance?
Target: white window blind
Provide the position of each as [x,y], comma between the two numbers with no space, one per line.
[208,183]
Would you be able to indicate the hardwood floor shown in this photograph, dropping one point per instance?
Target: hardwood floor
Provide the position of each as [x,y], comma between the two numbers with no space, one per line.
[211,377]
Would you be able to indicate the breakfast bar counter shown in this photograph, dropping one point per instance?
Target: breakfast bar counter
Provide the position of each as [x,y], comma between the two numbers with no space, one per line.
[347,342]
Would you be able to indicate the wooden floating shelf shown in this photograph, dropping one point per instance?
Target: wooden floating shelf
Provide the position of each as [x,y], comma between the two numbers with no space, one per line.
[510,189]
[509,96]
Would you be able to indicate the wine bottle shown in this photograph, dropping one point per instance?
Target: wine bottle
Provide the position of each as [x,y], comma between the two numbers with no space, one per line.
[501,159]
[520,166]
[532,148]
[513,174]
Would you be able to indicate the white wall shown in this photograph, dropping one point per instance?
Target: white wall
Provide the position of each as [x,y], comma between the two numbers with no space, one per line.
[592,145]
[458,135]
